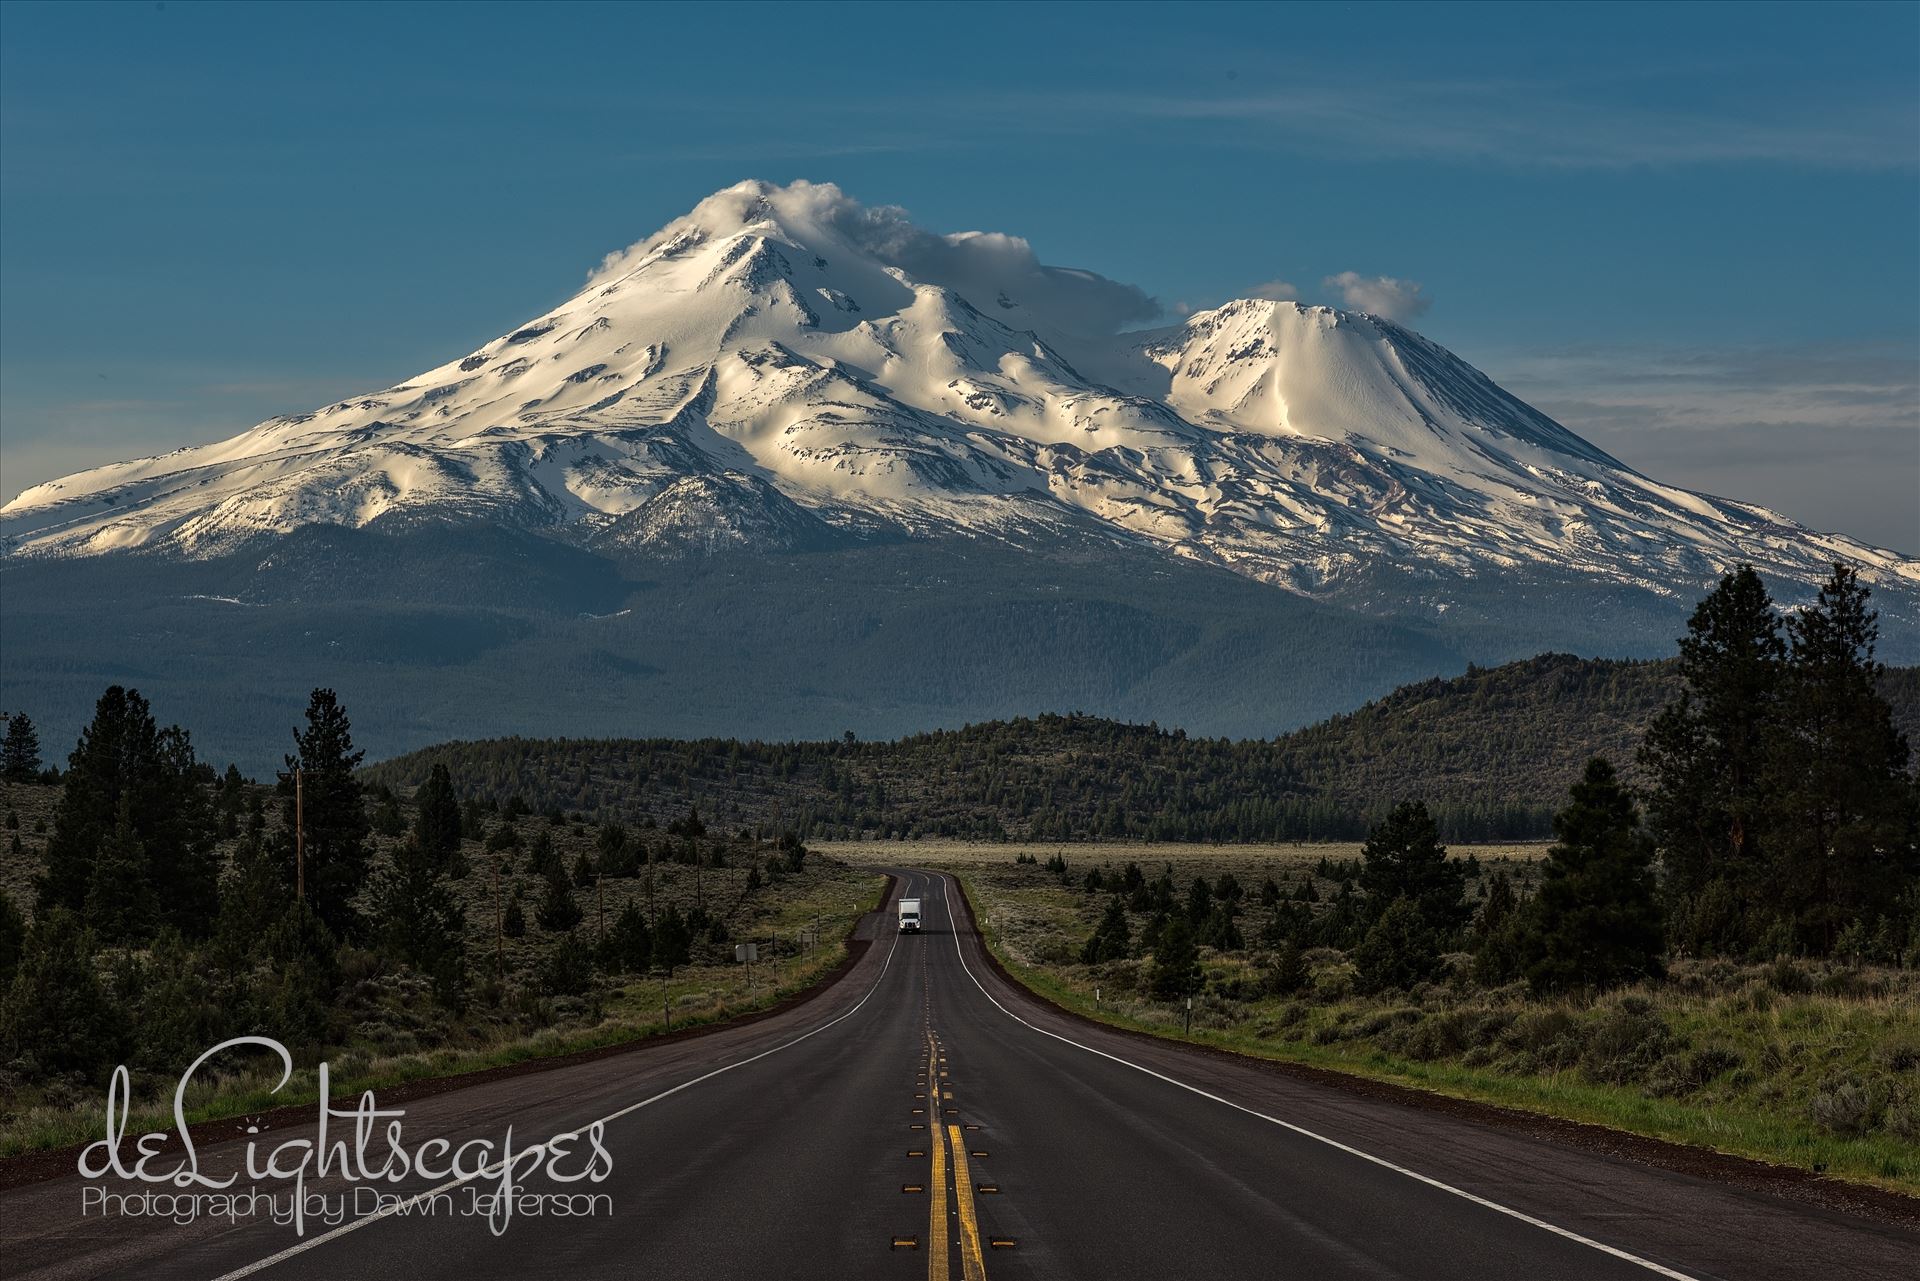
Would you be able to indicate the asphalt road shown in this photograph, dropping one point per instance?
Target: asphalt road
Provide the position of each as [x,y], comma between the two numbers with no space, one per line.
[926,1119]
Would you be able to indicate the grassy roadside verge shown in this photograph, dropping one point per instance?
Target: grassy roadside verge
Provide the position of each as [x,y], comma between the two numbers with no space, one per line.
[824,909]
[1758,1110]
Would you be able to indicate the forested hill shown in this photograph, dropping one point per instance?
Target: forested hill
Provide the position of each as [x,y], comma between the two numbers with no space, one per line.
[1492,751]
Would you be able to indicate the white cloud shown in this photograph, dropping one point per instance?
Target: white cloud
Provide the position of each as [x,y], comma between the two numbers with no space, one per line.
[1519,122]
[979,265]
[1383,296]
[1277,290]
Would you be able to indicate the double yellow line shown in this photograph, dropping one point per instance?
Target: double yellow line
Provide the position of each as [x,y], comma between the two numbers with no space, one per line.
[972,1262]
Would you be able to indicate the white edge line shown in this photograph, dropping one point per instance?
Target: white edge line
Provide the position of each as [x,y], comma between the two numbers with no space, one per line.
[386,1211]
[1431,1182]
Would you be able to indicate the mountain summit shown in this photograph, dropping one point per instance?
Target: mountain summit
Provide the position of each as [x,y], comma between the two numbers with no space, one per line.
[786,372]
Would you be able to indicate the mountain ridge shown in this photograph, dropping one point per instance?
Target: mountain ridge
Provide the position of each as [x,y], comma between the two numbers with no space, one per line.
[1492,751]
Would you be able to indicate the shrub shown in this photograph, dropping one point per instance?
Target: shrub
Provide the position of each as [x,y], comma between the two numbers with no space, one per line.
[1845,1104]
[1625,1042]
[1333,984]
[1440,1036]
[1898,1054]
[1790,977]
[1550,1038]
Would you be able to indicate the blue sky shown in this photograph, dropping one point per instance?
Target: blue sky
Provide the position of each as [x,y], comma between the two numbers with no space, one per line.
[1692,233]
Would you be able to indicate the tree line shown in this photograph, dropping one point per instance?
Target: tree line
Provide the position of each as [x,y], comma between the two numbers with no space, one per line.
[1779,818]
[171,913]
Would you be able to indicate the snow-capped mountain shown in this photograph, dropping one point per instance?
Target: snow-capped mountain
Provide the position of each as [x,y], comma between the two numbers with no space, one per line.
[785,369]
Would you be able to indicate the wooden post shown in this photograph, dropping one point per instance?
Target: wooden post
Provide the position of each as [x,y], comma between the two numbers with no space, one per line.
[299,836]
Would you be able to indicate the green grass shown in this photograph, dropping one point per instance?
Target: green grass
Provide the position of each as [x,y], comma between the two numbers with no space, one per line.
[1782,1055]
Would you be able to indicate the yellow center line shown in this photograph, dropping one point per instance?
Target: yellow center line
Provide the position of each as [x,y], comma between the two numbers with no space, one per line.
[937,1261]
[973,1262]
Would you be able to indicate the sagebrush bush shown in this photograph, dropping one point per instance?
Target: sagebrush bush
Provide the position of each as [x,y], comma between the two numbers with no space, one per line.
[1846,1104]
[1551,1038]
[1625,1041]
[1900,1054]
[1440,1036]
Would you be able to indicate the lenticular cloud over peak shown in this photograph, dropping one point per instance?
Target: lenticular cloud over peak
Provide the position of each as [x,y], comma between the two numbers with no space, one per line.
[981,266]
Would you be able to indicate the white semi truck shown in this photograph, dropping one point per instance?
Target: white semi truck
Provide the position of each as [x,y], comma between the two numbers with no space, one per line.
[909,916]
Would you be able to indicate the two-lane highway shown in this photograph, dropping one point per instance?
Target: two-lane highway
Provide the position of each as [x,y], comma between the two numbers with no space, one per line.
[928,1119]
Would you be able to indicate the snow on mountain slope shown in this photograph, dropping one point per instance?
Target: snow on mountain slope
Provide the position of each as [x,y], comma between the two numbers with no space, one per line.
[783,362]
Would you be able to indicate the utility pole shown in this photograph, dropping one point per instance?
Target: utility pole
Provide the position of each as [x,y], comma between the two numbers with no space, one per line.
[299,834]
[499,924]
[600,901]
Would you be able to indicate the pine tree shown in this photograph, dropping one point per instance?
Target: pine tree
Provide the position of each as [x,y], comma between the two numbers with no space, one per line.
[628,946]
[420,922]
[568,970]
[1842,832]
[1219,932]
[558,911]
[120,899]
[672,939]
[513,922]
[122,756]
[297,990]
[20,751]
[1199,901]
[1403,858]
[615,854]
[1399,949]
[1707,755]
[436,824]
[336,824]
[1596,921]
[1176,962]
[13,938]
[255,890]
[1496,933]
[582,870]
[56,1013]
[1110,940]
[1286,973]
[542,857]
